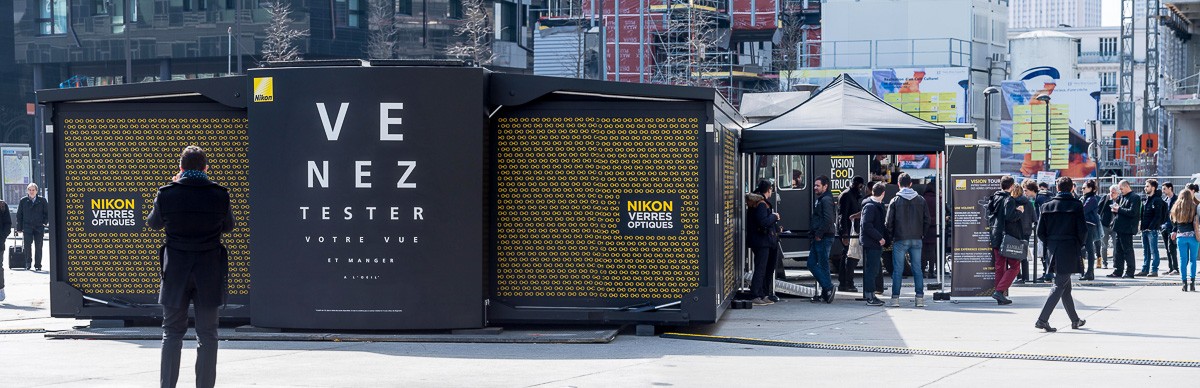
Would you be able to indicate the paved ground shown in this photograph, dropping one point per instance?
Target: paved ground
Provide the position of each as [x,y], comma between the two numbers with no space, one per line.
[1129,319]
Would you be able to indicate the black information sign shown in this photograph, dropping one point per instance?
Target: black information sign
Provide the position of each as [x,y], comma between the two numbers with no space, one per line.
[367,195]
[973,270]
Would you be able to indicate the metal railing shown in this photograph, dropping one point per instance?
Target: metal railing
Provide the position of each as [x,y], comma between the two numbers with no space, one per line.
[1098,57]
[837,54]
[885,53]
[1186,88]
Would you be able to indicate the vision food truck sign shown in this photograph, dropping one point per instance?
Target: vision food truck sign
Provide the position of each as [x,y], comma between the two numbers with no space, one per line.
[366,190]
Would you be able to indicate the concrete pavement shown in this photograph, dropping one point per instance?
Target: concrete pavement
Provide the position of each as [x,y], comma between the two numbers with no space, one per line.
[1126,318]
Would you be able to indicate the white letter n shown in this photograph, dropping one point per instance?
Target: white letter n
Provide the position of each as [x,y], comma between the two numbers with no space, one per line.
[322,173]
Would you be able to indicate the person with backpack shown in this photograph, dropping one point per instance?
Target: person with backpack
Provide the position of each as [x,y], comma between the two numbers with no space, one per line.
[907,220]
[873,236]
[1004,218]
[762,237]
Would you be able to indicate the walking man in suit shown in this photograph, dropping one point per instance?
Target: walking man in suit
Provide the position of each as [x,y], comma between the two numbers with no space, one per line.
[195,212]
[31,220]
[1062,227]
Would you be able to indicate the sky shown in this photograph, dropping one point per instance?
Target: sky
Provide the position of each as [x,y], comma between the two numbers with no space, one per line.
[1110,12]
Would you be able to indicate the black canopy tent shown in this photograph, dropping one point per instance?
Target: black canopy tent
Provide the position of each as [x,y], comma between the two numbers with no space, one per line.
[844,118]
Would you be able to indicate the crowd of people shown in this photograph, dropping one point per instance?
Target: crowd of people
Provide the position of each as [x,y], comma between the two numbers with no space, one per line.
[858,221]
[1070,227]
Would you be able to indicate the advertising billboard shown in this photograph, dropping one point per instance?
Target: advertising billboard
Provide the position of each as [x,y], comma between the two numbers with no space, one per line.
[1037,137]
[114,158]
[936,95]
[367,197]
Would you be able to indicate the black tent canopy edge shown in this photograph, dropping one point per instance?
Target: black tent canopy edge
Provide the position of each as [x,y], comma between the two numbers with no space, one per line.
[867,126]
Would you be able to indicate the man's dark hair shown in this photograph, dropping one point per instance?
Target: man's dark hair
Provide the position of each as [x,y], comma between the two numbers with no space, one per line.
[1006,182]
[796,174]
[1031,186]
[905,180]
[1193,187]
[857,182]
[1152,183]
[1091,185]
[193,158]
[1064,184]
[823,179]
[1168,185]
[1043,185]
[878,188]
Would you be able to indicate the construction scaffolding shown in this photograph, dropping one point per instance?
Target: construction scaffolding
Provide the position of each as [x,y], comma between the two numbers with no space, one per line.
[691,45]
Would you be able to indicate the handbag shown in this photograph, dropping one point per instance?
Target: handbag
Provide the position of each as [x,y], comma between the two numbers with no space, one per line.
[855,251]
[1014,248]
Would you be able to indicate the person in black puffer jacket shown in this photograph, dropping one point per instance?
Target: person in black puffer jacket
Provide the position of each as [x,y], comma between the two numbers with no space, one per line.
[762,237]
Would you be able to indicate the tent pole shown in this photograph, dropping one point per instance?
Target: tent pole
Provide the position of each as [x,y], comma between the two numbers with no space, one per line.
[941,221]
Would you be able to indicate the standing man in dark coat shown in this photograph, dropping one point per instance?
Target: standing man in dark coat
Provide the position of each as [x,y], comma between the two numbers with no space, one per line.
[1063,229]
[822,230]
[1128,211]
[31,220]
[1091,214]
[1154,214]
[195,212]
[873,236]
[1168,227]
[849,206]
[1107,237]
[1043,195]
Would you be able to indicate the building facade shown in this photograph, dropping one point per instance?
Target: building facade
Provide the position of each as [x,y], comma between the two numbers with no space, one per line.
[1096,56]
[71,43]
[1030,14]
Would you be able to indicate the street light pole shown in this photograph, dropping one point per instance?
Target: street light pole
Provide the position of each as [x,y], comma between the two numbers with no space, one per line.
[1045,99]
[987,125]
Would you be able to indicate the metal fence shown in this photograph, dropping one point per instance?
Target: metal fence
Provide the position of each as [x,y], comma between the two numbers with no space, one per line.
[849,54]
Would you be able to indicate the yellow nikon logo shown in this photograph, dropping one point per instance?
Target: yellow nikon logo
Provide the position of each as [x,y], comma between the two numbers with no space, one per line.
[960,184]
[264,89]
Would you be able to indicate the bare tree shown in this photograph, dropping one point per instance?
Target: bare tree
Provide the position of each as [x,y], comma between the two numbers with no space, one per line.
[476,31]
[787,53]
[382,22]
[577,60]
[281,36]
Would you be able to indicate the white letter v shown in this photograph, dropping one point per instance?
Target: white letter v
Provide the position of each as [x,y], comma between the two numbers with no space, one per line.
[332,132]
